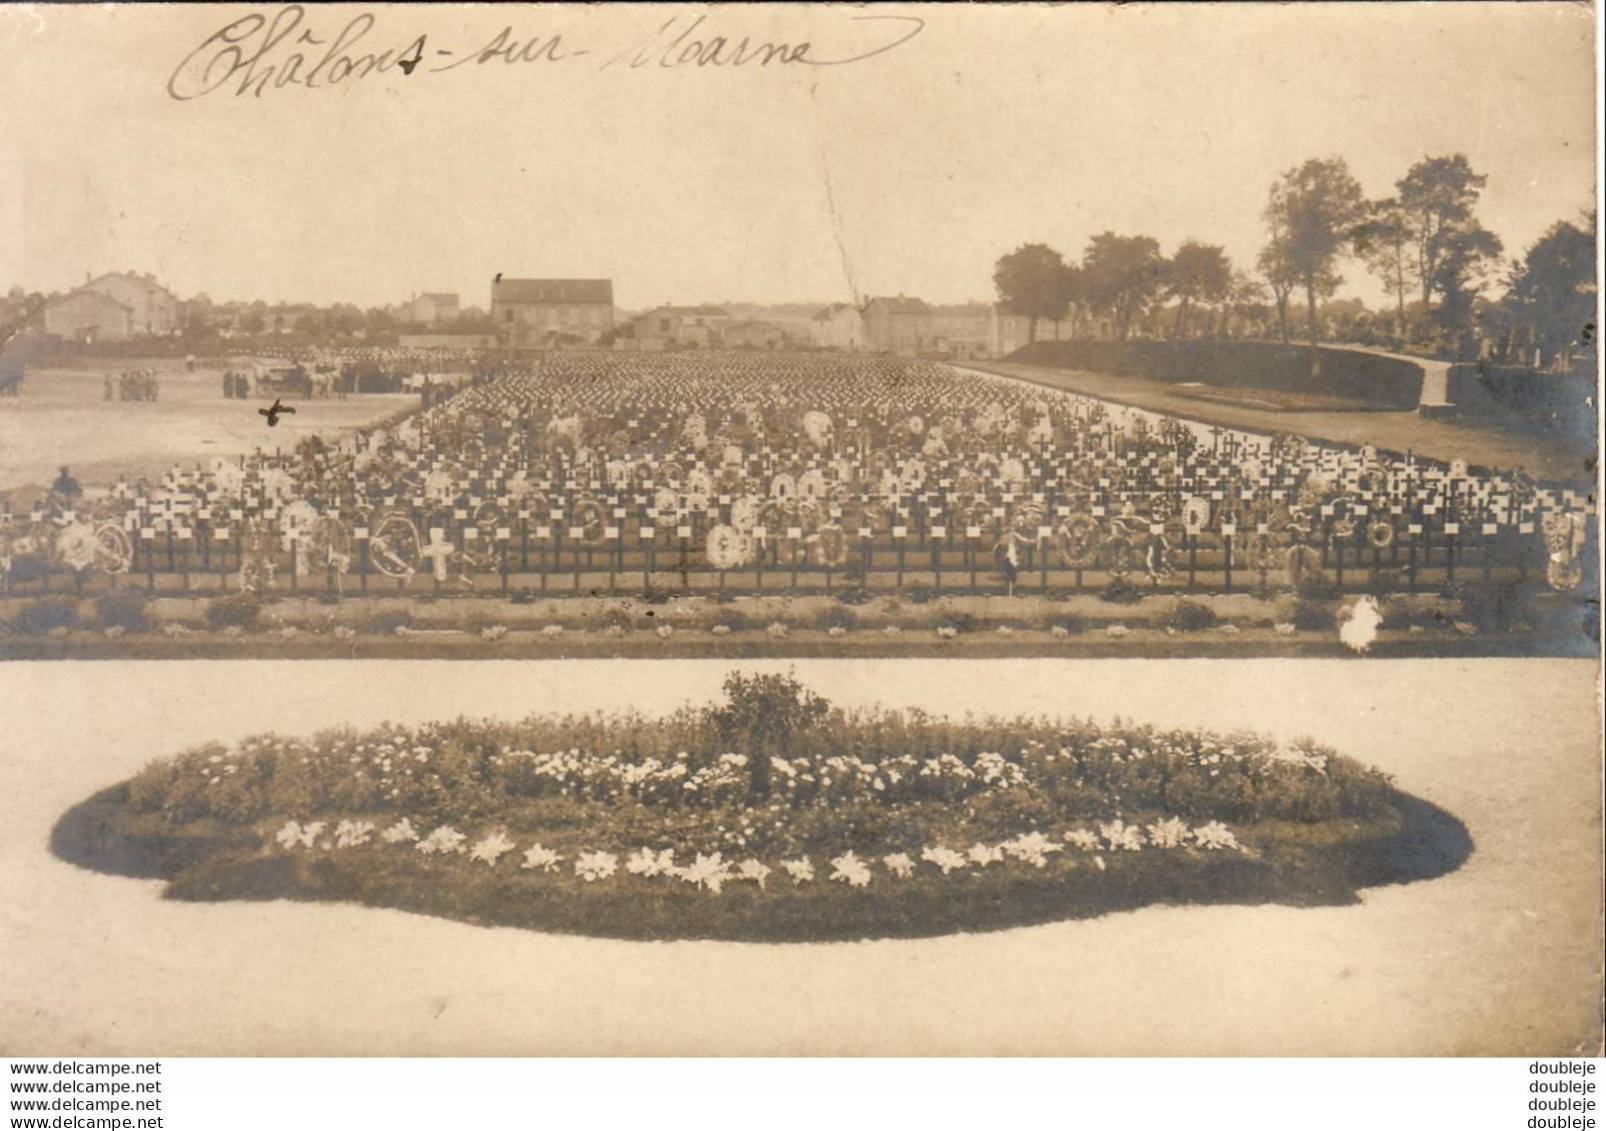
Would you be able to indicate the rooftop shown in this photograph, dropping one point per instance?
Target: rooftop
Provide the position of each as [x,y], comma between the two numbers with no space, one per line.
[552,290]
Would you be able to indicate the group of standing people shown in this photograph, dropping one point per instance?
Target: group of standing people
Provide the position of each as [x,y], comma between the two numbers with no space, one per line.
[132,385]
[236,386]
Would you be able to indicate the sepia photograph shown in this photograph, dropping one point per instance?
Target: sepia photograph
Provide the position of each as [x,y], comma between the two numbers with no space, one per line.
[800,530]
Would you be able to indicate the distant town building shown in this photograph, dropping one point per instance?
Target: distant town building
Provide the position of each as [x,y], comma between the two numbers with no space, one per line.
[1010,331]
[89,316]
[898,324]
[539,312]
[682,325]
[432,308]
[839,326]
[114,308]
[754,335]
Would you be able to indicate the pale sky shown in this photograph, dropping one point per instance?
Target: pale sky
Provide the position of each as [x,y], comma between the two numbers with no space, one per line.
[907,172]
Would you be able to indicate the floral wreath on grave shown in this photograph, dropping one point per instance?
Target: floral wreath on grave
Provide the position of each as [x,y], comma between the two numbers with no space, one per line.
[1159,558]
[395,548]
[1195,513]
[1261,551]
[727,547]
[1345,519]
[329,544]
[831,546]
[875,516]
[257,543]
[1118,555]
[1027,521]
[590,519]
[1303,563]
[913,476]
[114,551]
[1078,540]
[745,511]
[699,488]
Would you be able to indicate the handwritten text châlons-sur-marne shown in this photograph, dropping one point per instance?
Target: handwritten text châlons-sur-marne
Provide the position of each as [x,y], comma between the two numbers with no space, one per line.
[256,53]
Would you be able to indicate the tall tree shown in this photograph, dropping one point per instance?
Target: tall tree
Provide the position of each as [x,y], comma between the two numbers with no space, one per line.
[1437,196]
[1317,205]
[1466,256]
[1387,241]
[1552,291]
[1123,274]
[1199,273]
[1246,299]
[1274,261]
[1033,282]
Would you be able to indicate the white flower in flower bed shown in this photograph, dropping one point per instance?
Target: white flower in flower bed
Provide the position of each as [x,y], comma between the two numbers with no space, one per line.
[777,630]
[539,857]
[491,847]
[292,834]
[1005,630]
[707,872]
[1214,835]
[1229,630]
[115,631]
[494,633]
[646,862]
[1085,839]
[1118,631]
[1169,833]
[664,631]
[836,630]
[351,834]
[996,770]
[899,865]
[754,870]
[1286,629]
[403,631]
[591,866]
[345,632]
[614,630]
[1031,848]
[721,630]
[892,630]
[985,854]
[1118,834]
[442,840]
[552,630]
[801,870]
[851,869]
[947,632]
[174,630]
[1099,861]
[401,832]
[1059,632]
[288,632]
[945,858]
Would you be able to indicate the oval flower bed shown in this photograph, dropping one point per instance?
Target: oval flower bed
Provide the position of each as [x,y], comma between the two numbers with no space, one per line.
[771,816]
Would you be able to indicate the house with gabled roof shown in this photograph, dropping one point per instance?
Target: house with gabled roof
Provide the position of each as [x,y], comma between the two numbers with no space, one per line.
[89,316]
[838,326]
[898,323]
[548,312]
[682,325]
[430,308]
[114,308]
